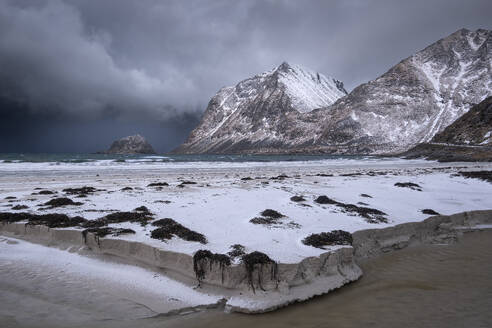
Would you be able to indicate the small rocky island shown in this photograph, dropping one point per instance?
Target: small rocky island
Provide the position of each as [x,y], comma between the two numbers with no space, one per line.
[131,145]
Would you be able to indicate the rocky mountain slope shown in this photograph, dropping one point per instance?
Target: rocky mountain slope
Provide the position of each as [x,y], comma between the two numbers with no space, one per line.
[266,111]
[409,104]
[473,128]
[469,138]
[415,99]
[131,145]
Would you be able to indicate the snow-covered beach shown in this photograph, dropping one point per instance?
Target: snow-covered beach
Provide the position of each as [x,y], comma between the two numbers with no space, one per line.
[224,202]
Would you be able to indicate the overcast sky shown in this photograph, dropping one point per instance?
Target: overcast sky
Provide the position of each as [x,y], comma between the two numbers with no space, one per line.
[76,74]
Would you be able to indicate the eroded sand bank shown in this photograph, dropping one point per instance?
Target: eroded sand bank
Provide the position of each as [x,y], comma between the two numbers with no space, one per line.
[432,285]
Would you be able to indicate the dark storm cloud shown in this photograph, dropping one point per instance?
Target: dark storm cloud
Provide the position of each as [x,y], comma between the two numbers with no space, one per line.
[152,61]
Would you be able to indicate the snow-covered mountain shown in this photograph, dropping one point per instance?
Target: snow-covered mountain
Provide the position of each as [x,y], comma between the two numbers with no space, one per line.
[263,112]
[279,111]
[415,99]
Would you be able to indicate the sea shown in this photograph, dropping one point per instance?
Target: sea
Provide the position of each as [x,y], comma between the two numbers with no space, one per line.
[25,164]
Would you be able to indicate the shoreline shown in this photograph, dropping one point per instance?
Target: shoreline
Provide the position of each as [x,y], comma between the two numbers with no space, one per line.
[295,282]
[431,285]
[382,205]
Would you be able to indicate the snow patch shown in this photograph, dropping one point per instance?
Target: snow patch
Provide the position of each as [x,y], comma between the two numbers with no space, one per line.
[309,90]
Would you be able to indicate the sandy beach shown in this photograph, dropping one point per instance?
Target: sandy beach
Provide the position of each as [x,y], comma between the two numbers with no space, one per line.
[219,205]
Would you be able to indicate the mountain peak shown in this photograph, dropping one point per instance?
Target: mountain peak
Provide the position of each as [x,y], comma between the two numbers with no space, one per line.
[260,109]
[284,67]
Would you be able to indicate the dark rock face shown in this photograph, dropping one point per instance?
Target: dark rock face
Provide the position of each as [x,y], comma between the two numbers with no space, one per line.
[409,104]
[473,128]
[450,153]
[131,145]
[468,139]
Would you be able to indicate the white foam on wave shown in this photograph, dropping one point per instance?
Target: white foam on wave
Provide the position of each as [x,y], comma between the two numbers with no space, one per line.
[163,163]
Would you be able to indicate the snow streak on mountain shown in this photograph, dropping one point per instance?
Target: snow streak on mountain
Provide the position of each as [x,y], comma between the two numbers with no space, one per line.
[291,109]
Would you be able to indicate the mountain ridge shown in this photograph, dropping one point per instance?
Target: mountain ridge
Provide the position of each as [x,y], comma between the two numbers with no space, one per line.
[407,105]
[255,111]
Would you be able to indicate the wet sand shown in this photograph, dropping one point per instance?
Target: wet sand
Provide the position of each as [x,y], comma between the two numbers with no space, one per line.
[424,286]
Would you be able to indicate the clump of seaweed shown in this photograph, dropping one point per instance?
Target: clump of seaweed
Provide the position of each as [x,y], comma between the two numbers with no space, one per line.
[80,191]
[119,217]
[268,217]
[20,207]
[256,261]
[142,209]
[365,195]
[271,217]
[52,220]
[325,200]
[202,258]
[158,184]
[185,182]
[410,185]
[237,250]
[127,189]
[46,192]
[429,211]
[481,175]
[246,179]
[354,174]
[57,220]
[8,217]
[134,217]
[188,182]
[280,177]
[297,199]
[371,215]
[324,175]
[272,214]
[62,201]
[163,201]
[335,237]
[169,228]
[265,221]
